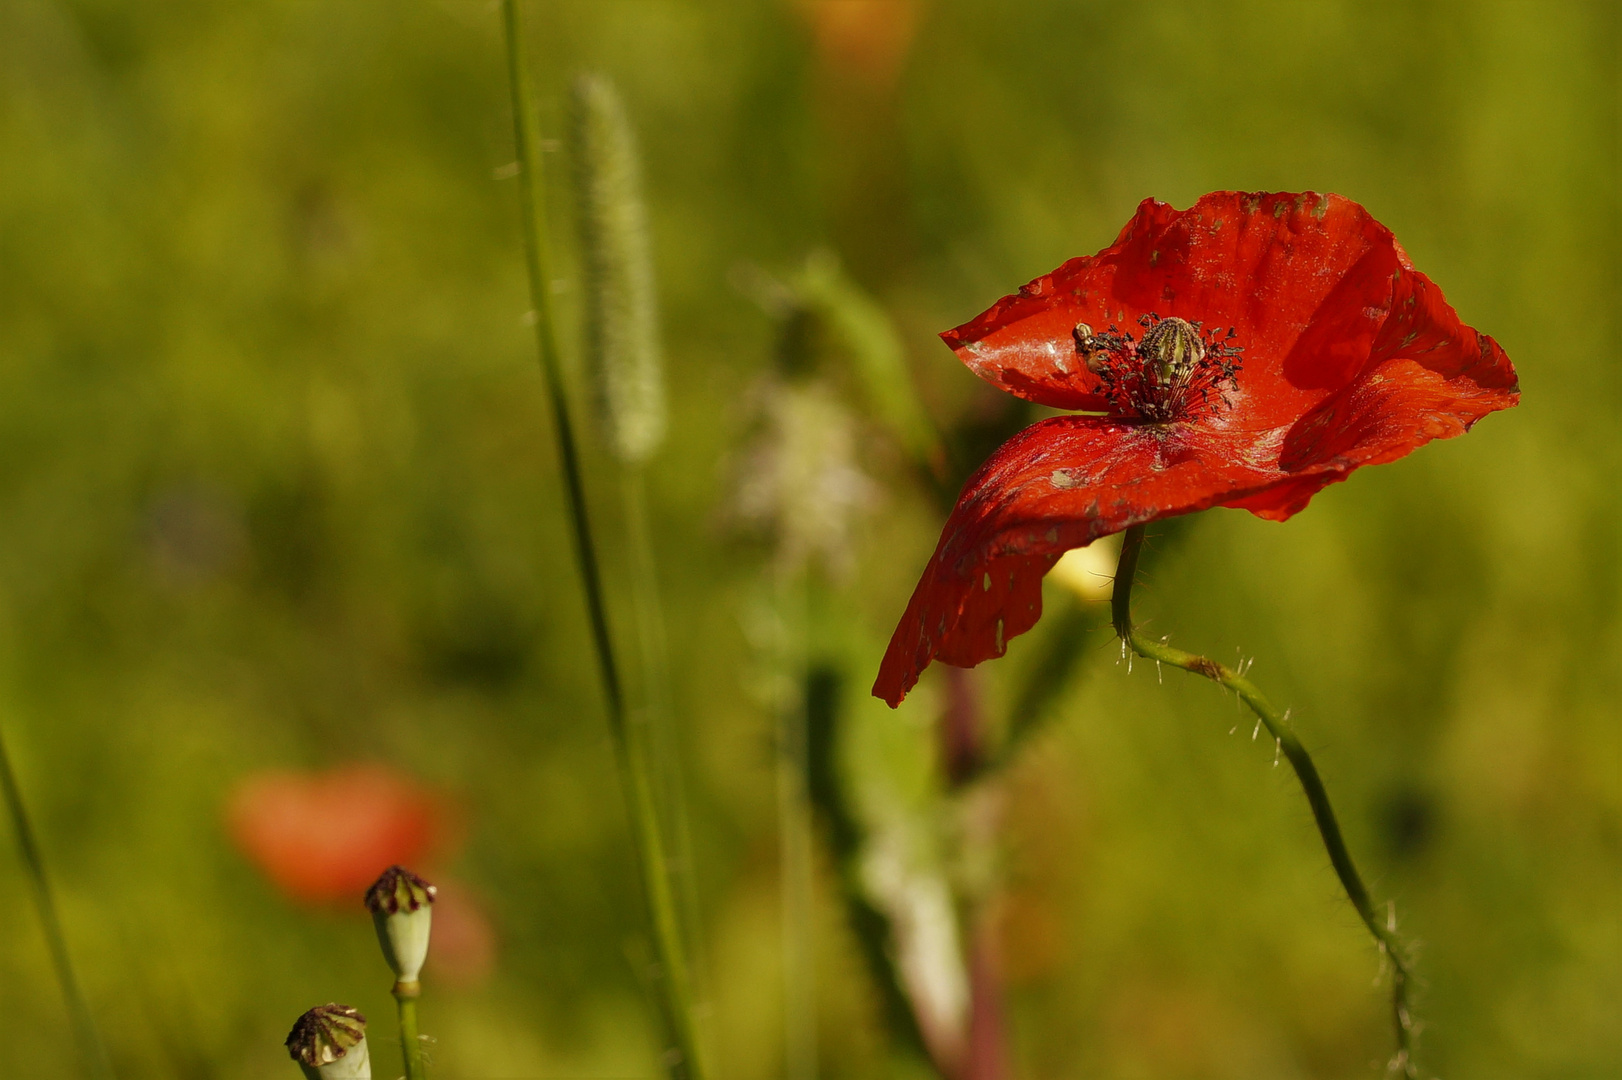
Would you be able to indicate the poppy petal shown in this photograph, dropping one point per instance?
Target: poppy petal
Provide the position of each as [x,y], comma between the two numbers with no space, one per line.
[1066,481]
[1059,484]
[1305,279]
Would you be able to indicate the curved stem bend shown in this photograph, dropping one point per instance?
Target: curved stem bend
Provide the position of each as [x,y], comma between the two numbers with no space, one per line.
[1278,726]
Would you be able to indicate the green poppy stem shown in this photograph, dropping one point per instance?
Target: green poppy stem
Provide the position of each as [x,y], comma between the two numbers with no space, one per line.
[1278,726]
[91,1049]
[410,1045]
[630,749]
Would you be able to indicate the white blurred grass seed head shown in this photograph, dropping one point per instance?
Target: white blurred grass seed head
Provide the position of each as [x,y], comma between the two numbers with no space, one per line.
[801,478]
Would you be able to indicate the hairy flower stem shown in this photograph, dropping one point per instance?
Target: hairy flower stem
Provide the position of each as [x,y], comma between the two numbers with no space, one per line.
[91,1049]
[1278,726]
[410,1045]
[630,749]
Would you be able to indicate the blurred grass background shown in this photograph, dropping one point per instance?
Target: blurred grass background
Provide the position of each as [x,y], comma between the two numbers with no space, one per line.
[278,492]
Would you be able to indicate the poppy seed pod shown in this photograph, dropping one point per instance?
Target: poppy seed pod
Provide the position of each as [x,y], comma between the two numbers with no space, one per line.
[401,904]
[329,1043]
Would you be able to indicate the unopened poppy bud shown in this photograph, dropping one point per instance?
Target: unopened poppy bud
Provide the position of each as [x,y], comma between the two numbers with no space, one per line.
[329,1043]
[401,904]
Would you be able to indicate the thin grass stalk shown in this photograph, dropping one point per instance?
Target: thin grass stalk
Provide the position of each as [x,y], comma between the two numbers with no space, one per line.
[631,753]
[795,830]
[659,723]
[1323,815]
[91,1049]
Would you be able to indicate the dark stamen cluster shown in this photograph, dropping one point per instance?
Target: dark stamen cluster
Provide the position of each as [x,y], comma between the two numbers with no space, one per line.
[1177,368]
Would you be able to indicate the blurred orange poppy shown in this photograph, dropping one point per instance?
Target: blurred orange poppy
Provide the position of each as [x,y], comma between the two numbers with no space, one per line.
[325,836]
[867,38]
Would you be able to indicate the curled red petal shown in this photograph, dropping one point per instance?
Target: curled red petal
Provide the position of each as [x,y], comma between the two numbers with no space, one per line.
[1059,484]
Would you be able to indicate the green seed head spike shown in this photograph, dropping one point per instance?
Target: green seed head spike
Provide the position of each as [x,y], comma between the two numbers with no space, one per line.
[621,310]
[329,1043]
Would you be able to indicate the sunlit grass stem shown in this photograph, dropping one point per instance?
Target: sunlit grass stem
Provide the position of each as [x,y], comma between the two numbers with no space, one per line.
[1278,726]
[658,720]
[683,1062]
[91,1050]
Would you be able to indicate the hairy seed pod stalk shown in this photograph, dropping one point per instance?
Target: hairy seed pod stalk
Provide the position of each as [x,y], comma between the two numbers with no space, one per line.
[621,310]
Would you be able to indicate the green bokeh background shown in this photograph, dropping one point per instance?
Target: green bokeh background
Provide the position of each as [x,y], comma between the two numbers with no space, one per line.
[258,277]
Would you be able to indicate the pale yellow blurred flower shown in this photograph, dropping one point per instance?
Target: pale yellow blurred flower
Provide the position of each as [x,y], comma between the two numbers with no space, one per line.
[1089,572]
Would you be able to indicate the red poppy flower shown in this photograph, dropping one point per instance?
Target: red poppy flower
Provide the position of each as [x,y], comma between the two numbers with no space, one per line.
[1244,352]
[324,837]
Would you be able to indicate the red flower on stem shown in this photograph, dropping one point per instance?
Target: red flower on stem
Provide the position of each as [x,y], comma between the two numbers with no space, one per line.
[324,837]
[1244,352]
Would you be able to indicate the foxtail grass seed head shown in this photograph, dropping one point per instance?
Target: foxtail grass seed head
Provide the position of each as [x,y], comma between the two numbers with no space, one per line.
[621,309]
[329,1043]
[402,910]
